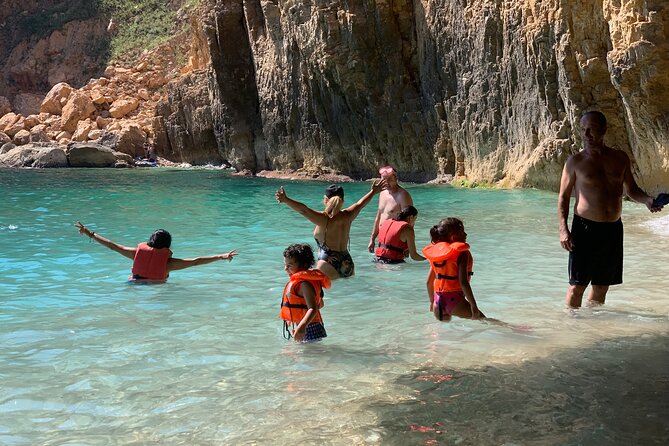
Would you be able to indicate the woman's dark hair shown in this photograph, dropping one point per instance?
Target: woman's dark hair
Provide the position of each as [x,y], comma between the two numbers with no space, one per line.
[160,239]
[407,212]
[442,230]
[301,253]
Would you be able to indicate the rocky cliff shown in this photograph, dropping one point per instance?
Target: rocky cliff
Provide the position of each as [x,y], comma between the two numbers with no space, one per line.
[487,89]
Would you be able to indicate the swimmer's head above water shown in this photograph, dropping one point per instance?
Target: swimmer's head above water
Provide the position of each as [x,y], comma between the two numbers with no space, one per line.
[160,239]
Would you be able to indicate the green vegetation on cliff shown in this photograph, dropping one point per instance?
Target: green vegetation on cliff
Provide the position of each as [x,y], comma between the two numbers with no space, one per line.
[138,24]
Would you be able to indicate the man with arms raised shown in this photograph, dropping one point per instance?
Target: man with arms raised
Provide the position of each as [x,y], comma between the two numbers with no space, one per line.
[598,176]
[392,200]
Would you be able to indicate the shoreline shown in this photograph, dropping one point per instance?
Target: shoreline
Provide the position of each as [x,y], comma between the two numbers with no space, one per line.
[281,174]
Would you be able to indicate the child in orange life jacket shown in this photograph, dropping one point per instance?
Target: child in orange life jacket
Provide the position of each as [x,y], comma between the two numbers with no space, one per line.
[153,261]
[450,271]
[303,295]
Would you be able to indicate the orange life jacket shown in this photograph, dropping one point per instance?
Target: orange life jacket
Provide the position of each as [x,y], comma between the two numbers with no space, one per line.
[294,307]
[390,245]
[151,263]
[443,259]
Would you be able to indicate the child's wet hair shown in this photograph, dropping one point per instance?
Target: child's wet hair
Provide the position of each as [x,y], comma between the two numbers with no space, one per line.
[405,213]
[301,253]
[442,230]
[160,239]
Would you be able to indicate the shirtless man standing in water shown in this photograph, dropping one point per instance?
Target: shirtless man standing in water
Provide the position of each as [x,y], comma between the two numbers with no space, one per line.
[392,200]
[599,176]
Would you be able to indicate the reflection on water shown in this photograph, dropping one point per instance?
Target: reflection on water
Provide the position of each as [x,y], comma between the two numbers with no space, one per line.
[86,358]
[612,392]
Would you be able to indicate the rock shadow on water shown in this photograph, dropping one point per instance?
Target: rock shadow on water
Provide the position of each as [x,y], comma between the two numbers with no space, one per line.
[611,393]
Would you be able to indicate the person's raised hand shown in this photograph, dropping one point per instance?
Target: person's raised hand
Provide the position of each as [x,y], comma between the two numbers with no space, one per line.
[379,185]
[229,255]
[83,229]
[280,195]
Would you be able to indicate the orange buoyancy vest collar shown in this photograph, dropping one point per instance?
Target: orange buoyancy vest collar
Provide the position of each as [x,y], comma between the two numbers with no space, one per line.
[293,306]
[390,245]
[151,263]
[443,259]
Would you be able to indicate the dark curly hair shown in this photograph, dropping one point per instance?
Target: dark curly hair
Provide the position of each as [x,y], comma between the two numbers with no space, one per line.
[301,253]
[442,230]
[405,213]
[160,239]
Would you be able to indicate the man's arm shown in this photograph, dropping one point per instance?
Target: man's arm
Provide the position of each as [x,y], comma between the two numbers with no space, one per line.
[375,229]
[632,190]
[566,187]
[406,199]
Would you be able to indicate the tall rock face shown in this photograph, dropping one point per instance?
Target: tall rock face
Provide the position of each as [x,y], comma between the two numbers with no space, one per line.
[487,89]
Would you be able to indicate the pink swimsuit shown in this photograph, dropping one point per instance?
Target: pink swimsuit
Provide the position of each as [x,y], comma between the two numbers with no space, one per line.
[446,301]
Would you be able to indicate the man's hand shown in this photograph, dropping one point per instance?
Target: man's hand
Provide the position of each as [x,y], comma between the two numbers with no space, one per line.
[371,246]
[565,240]
[650,204]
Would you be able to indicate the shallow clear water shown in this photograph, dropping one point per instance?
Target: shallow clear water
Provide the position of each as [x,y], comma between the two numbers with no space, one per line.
[87,358]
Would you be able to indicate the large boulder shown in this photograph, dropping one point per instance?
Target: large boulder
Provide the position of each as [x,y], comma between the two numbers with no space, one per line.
[54,99]
[38,134]
[7,120]
[15,128]
[83,129]
[35,155]
[122,107]
[22,137]
[90,155]
[78,108]
[124,158]
[131,139]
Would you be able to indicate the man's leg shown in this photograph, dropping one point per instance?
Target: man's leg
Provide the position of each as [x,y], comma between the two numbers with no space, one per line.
[597,294]
[575,295]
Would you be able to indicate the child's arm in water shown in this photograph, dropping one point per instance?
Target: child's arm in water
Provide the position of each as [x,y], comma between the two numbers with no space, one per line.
[174,264]
[123,250]
[430,288]
[463,278]
[306,290]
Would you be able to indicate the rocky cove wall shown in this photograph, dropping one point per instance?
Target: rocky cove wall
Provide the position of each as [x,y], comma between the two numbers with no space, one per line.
[490,90]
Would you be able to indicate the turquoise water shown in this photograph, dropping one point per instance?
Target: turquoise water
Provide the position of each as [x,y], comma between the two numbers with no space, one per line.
[86,358]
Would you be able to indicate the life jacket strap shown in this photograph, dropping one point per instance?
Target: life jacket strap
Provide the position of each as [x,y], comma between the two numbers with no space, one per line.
[289,305]
[391,247]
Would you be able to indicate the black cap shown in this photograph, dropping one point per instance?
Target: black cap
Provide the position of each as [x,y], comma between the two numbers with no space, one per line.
[334,190]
